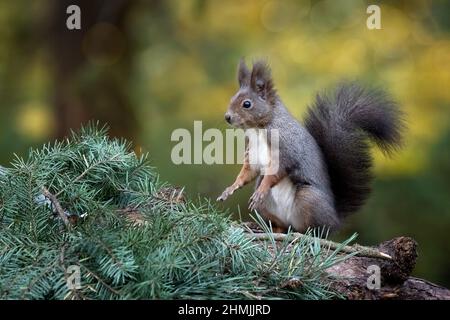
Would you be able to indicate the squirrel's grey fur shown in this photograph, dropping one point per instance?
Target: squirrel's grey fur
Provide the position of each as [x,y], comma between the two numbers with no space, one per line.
[327,158]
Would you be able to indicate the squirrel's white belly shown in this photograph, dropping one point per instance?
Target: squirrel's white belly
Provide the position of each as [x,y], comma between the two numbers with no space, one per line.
[281,201]
[258,150]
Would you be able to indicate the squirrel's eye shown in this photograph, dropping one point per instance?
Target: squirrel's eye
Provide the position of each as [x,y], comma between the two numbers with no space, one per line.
[247,104]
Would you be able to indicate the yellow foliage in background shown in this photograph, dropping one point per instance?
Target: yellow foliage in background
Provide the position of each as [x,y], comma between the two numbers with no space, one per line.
[185,70]
[311,46]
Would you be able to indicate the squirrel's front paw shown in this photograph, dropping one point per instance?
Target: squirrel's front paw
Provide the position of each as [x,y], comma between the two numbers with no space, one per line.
[256,199]
[224,196]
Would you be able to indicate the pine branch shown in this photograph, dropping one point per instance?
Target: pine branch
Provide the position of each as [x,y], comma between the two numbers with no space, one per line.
[356,249]
[39,277]
[107,286]
[182,249]
[86,171]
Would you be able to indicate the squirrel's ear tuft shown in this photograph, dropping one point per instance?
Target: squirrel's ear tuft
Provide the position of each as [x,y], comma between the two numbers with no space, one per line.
[261,81]
[243,74]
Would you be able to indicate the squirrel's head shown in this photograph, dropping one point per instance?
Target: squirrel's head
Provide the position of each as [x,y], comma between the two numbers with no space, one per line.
[251,106]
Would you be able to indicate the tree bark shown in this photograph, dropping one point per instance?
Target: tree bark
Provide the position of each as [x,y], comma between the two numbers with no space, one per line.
[396,283]
[91,66]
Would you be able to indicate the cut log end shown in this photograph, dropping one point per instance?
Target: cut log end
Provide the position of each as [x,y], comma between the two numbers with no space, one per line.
[353,282]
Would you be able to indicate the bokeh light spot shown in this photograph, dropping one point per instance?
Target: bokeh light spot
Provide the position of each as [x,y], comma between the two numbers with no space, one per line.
[35,121]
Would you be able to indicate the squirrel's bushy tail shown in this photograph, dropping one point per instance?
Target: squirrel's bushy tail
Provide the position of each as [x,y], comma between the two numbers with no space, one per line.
[342,125]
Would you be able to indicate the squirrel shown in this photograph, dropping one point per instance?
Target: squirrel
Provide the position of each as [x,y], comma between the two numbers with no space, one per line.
[324,165]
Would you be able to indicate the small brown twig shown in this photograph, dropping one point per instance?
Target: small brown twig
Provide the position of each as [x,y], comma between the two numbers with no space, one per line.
[107,286]
[358,249]
[56,204]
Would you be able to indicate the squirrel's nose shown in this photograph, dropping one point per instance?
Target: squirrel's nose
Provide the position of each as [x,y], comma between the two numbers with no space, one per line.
[228,118]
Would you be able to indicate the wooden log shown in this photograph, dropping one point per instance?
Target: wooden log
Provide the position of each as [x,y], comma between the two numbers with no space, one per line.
[396,283]
[351,277]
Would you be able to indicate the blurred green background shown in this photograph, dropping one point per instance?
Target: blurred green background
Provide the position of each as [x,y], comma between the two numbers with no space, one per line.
[149,67]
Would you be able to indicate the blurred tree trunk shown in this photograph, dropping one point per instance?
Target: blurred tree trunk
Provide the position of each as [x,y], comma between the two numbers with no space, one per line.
[91,65]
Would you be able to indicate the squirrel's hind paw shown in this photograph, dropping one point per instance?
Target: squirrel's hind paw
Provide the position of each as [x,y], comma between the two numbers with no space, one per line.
[256,199]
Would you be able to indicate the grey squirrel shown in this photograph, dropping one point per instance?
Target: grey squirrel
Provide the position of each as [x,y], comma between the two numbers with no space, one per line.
[324,166]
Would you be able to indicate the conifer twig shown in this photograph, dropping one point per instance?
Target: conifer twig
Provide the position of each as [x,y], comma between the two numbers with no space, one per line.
[56,204]
[86,171]
[107,286]
[358,249]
